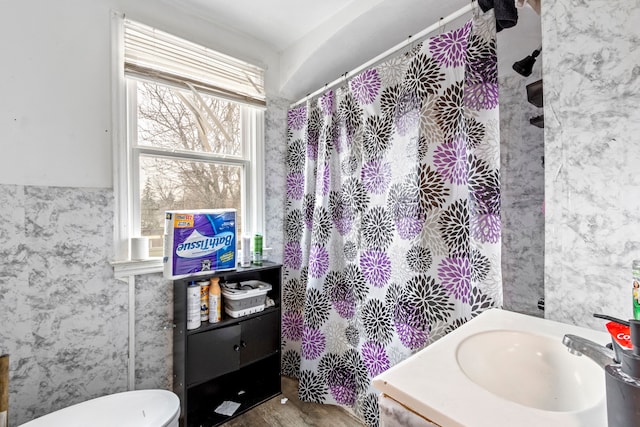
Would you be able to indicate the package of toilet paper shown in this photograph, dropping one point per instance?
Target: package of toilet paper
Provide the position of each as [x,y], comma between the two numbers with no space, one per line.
[199,242]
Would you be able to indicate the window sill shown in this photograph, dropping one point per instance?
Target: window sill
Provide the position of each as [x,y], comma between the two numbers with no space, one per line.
[136,267]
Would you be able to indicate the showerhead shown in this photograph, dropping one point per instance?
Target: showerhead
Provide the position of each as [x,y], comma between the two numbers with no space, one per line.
[524,67]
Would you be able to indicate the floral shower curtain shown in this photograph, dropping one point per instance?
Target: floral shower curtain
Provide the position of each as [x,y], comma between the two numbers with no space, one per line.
[392,227]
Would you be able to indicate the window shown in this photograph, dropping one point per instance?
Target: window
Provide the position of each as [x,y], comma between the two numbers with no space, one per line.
[191,132]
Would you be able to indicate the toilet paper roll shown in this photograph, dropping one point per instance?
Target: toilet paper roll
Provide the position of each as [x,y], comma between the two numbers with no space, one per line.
[139,248]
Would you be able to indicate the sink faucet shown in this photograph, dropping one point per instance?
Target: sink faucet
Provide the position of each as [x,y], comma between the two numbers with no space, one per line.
[622,373]
[600,354]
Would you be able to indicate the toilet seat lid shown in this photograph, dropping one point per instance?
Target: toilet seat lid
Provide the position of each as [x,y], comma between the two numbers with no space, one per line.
[139,408]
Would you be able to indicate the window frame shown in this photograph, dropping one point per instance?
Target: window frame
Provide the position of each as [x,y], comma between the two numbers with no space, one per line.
[126,153]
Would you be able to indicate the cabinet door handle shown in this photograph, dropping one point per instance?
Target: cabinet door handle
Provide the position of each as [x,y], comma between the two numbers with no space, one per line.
[243,344]
[236,347]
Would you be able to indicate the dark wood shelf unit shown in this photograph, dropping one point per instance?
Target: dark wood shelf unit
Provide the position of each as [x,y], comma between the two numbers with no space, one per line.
[236,359]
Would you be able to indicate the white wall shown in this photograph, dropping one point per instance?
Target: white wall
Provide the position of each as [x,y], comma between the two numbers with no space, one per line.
[55,84]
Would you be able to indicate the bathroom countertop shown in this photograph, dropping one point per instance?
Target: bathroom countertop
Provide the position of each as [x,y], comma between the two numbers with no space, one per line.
[432,384]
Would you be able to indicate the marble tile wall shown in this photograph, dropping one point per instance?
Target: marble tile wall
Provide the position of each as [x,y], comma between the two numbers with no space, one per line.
[522,186]
[592,152]
[63,318]
[275,151]
[153,332]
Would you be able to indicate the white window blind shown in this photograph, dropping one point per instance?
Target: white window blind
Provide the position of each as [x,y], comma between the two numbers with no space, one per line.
[152,53]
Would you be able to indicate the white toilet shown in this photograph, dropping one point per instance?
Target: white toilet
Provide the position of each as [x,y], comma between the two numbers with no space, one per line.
[139,408]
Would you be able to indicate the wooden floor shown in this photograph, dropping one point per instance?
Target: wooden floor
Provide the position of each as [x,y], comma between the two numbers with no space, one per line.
[294,413]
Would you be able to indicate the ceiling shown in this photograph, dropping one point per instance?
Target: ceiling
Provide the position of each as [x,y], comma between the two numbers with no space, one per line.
[318,41]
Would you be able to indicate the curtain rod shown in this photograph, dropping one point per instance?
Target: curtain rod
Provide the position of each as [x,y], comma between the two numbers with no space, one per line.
[442,21]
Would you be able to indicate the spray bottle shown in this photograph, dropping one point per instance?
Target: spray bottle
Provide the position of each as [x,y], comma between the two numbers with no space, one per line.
[215,301]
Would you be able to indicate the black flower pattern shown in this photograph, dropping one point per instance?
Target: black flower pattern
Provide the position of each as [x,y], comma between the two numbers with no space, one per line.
[393,295]
[377,228]
[295,157]
[331,134]
[377,133]
[419,259]
[454,225]
[389,99]
[328,362]
[475,132]
[430,300]
[376,319]
[340,294]
[480,266]
[353,275]
[350,113]
[355,363]
[484,185]
[311,388]
[308,207]
[369,410]
[480,302]
[291,363]
[450,111]
[316,309]
[424,76]
[321,225]
[293,294]
[355,195]
[341,212]
[433,191]
[423,148]
[293,225]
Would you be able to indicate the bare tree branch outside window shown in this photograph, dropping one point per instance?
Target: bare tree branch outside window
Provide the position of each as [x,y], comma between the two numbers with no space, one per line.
[177,121]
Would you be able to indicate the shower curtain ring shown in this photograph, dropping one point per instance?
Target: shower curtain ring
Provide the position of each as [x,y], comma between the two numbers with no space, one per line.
[411,45]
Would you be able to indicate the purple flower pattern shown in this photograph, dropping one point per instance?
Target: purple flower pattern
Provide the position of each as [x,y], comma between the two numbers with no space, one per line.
[293,255]
[486,227]
[365,86]
[376,176]
[449,49]
[318,261]
[408,226]
[313,343]
[296,118]
[375,358]
[376,267]
[342,385]
[451,161]
[326,103]
[455,275]
[292,325]
[295,186]
[412,332]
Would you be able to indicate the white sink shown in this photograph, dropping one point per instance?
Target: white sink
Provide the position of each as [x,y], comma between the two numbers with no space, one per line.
[502,369]
[530,369]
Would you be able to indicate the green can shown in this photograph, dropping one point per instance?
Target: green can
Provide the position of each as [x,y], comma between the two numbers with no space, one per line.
[257,249]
